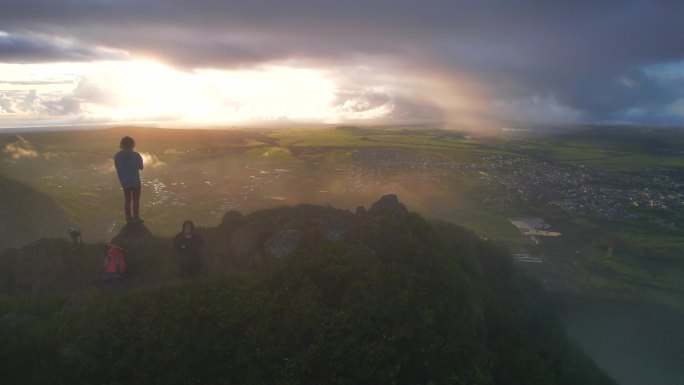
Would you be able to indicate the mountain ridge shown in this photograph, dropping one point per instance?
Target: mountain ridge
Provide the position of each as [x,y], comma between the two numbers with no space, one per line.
[303,294]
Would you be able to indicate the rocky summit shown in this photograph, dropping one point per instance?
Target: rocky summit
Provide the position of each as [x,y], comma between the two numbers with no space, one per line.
[132,236]
[376,296]
[244,242]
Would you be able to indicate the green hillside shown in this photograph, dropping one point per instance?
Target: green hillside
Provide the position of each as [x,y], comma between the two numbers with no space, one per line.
[27,214]
[293,295]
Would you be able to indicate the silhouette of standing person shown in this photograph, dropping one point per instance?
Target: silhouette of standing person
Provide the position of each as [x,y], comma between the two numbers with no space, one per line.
[128,165]
[188,245]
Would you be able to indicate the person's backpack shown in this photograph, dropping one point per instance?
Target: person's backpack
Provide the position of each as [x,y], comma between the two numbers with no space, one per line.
[115,262]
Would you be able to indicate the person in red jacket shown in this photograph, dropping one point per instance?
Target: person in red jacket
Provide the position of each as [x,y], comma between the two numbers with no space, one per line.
[188,245]
[115,262]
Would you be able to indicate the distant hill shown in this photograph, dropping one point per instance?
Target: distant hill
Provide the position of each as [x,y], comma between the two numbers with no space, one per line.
[27,214]
[293,295]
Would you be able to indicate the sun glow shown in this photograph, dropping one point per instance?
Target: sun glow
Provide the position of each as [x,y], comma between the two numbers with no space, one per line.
[144,91]
[147,90]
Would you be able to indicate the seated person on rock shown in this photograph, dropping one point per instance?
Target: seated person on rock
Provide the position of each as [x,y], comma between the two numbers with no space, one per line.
[188,245]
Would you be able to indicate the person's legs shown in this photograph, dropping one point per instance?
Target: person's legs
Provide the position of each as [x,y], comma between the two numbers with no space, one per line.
[185,266]
[135,191]
[127,202]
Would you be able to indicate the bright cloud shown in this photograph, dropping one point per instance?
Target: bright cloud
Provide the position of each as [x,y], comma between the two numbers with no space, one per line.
[151,160]
[18,147]
[148,91]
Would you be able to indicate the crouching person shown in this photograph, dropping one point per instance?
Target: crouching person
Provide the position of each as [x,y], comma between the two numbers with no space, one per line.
[188,245]
[114,263]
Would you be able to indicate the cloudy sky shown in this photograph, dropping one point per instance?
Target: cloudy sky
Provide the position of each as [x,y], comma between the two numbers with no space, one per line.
[479,62]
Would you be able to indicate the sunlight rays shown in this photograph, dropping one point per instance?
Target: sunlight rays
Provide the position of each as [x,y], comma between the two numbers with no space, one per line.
[145,91]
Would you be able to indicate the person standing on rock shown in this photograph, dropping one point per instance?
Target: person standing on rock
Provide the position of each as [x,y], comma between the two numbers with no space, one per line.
[188,245]
[128,165]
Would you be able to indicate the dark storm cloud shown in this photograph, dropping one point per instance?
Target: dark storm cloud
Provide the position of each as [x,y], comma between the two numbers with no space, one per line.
[32,48]
[585,55]
[414,109]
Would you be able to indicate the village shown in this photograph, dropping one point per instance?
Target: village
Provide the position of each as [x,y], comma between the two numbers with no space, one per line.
[578,189]
[515,182]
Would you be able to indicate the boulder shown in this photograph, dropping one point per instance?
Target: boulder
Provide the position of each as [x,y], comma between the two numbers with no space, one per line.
[133,236]
[388,207]
[247,243]
[232,219]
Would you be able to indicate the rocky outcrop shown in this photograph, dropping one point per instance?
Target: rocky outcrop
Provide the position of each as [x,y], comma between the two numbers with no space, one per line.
[231,220]
[277,233]
[133,236]
[239,242]
[147,257]
[388,207]
[246,244]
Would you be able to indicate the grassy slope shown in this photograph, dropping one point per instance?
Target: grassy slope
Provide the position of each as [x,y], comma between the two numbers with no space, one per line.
[27,214]
[400,302]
